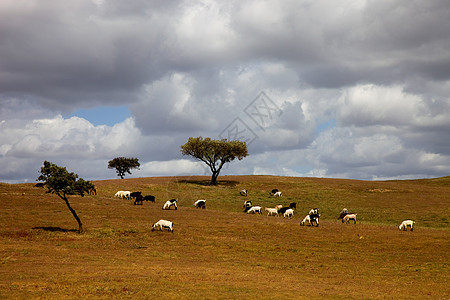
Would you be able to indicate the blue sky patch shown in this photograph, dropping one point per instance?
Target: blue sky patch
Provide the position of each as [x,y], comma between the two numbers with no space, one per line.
[103,115]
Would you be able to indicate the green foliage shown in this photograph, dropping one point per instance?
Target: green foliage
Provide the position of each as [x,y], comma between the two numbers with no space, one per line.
[62,183]
[214,153]
[123,165]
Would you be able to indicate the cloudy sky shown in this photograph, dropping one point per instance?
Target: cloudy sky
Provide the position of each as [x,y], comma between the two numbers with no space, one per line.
[324,88]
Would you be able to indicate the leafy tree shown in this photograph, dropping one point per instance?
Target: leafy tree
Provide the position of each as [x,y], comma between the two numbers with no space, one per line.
[123,165]
[214,153]
[62,183]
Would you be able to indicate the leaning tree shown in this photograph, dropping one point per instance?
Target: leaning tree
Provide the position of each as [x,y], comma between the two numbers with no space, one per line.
[123,165]
[62,183]
[214,153]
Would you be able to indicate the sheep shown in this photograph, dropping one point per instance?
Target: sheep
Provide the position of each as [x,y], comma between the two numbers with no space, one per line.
[169,203]
[254,209]
[149,198]
[349,217]
[404,225]
[288,213]
[272,211]
[310,219]
[277,194]
[243,193]
[200,204]
[163,224]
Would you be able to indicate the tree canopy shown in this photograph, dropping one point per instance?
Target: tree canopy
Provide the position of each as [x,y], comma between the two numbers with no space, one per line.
[123,165]
[62,183]
[214,153]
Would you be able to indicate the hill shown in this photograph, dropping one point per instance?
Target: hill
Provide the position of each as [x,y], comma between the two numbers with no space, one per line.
[221,252]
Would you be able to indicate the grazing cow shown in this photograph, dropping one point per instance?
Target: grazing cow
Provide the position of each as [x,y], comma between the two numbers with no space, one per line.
[169,203]
[163,224]
[243,193]
[200,204]
[405,224]
[149,198]
[134,194]
[119,194]
[349,217]
[126,194]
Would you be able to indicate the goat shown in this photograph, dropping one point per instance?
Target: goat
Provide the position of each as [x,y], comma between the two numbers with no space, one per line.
[163,224]
[278,206]
[247,205]
[273,192]
[149,198]
[405,224]
[243,193]
[310,219]
[254,209]
[288,213]
[138,200]
[282,210]
[169,203]
[277,194]
[134,194]
[119,194]
[200,204]
[343,213]
[272,211]
[349,217]
[293,205]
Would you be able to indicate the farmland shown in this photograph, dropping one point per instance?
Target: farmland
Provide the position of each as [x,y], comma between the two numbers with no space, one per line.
[220,252]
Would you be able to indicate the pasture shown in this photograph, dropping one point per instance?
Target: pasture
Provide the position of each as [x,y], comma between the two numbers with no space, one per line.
[222,253]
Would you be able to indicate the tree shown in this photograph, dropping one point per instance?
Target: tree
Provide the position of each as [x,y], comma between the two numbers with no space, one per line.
[214,153]
[62,183]
[123,165]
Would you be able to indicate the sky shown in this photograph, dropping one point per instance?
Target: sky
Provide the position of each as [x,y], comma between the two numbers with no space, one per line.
[339,89]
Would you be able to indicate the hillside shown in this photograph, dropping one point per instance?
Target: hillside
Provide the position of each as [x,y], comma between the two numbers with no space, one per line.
[221,252]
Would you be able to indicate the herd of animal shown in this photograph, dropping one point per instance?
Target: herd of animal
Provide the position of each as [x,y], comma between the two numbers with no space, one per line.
[311,219]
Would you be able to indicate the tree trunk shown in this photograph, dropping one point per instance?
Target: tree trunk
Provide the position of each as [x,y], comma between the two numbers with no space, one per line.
[214,178]
[80,226]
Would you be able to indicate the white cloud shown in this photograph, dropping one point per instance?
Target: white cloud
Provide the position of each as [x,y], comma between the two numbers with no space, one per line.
[363,86]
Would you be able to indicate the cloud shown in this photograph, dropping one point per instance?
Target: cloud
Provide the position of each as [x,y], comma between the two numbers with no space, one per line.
[362,86]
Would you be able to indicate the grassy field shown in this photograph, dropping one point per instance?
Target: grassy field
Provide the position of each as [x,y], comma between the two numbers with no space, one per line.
[222,253]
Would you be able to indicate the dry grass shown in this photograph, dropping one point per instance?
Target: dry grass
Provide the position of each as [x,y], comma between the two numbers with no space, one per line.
[221,252]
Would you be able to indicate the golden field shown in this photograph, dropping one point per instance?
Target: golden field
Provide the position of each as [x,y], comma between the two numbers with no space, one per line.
[221,252]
